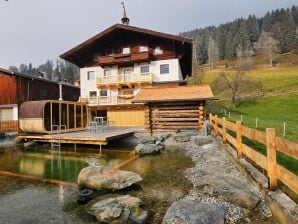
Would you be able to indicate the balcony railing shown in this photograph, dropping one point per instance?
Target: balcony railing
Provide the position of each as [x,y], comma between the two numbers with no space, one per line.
[107,100]
[124,58]
[125,79]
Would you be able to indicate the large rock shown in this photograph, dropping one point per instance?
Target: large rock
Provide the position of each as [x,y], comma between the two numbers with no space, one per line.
[104,178]
[118,209]
[182,137]
[194,212]
[143,149]
[199,140]
[229,188]
[147,139]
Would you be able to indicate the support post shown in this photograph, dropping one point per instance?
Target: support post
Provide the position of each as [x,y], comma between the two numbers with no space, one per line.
[210,120]
[216,124]
[239,138]
[224,129]
[271,158]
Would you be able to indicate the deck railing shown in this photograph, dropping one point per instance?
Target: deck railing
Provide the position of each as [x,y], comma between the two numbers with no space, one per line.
[106,100]
[125,79]
[8,126]
[273,143]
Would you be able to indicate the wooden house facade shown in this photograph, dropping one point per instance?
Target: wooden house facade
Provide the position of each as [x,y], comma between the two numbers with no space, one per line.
[116,63]
[17,88]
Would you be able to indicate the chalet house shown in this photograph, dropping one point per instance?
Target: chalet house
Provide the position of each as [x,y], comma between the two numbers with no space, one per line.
[17,88]
[120,61]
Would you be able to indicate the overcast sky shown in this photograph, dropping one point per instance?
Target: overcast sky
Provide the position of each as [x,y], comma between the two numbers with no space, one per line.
[37,30]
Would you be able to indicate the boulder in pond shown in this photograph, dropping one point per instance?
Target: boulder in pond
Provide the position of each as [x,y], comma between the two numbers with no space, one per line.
[118,209]
[147,139]
[194,212]
[143,149]
[104,178]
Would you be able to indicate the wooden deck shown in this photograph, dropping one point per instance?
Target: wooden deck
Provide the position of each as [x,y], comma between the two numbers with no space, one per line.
[80,137]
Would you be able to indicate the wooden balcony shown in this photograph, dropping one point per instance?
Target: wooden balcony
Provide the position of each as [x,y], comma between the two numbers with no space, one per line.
[124,79]
[124,58]
[107,100]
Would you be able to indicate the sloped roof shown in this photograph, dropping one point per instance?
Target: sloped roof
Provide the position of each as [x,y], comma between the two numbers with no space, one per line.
[174,94]
[117,26]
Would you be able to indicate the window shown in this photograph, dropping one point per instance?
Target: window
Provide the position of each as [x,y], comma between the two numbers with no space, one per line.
[92,93]
[126,50]
[107,72]
[164,69]
[91,75]
[143,48]
[158,50]
[110,52]
[127,71]
[144,69]
[103,92]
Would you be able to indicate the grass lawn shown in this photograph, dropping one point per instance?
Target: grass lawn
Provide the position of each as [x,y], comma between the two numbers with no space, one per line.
[281,78]
[271,113]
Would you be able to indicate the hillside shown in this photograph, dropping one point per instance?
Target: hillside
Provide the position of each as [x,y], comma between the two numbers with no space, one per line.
[279,103]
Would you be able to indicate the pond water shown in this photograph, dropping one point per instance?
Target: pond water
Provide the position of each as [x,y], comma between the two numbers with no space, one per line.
[34,202]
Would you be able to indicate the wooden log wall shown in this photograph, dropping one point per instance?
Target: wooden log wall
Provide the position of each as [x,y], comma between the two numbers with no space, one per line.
[175,116]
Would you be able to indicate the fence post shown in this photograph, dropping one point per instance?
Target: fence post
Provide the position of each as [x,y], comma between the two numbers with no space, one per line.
[210,120]
[224,129]
[216,124]
[239,138]
[271,158]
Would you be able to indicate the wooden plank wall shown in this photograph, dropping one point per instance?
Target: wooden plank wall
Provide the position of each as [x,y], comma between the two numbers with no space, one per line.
[8,126]
[273,144]
[127,116]
[175,116]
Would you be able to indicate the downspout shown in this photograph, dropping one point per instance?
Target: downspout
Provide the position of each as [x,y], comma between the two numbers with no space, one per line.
[28,88]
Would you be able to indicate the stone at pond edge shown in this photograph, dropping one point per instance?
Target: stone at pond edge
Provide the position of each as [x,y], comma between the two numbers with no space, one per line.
[199,140]
[118,209]
[104,178]
[194,212]
[143,149]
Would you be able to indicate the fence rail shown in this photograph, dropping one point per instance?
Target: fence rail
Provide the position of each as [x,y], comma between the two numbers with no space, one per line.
[273,144]
[8,126]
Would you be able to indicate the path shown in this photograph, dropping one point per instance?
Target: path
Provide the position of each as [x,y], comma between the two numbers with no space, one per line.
[220,193]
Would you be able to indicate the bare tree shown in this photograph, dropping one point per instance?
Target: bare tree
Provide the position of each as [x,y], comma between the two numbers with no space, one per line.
[236,86]
[198,72]
[213,53]
[267,46]
[244,62]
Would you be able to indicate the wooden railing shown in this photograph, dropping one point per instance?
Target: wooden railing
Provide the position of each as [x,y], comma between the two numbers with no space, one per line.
[106,100]
[8,126]
[124,79]
[272,142]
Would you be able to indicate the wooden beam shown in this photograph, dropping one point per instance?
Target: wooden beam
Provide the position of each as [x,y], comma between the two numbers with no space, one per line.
[271,156]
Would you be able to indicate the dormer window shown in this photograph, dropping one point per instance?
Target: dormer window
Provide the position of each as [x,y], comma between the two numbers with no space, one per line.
[143,48]
[158,50]
[126,50]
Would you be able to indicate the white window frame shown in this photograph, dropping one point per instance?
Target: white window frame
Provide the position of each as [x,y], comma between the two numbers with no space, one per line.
[92,91]
[158,50]
[126,50]
[164,73]
[144,48]
[102,90]
[105,72]
[142,66]
[88,75]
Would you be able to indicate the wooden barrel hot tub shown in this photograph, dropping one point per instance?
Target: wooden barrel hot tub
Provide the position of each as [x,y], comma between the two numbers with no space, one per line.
[46,116]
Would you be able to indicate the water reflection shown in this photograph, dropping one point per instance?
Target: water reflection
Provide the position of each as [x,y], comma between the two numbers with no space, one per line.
[63,165]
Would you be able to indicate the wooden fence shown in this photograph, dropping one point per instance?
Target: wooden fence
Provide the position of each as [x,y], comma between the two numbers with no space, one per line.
[272,142]
[9,126]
